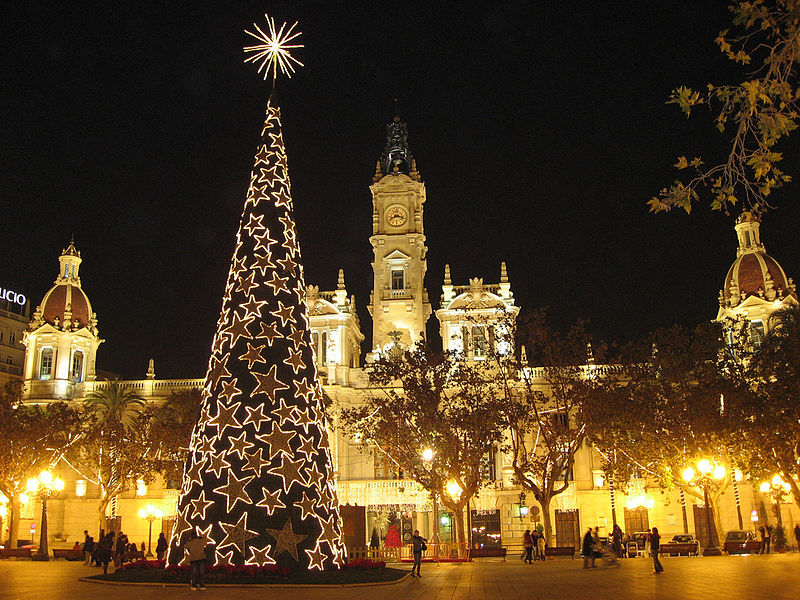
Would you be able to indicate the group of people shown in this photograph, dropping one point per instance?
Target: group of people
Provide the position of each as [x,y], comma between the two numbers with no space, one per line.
[534,545]
[591,547]
[117,549]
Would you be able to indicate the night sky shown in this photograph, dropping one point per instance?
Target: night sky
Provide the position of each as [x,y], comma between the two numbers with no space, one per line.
[540,129]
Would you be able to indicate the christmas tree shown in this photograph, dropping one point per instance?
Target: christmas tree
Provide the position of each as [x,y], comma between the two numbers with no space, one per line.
[258,481]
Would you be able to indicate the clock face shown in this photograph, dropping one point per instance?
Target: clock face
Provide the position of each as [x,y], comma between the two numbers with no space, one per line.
[396,215]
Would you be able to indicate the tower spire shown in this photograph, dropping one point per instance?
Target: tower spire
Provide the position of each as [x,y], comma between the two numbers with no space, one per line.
[396,156]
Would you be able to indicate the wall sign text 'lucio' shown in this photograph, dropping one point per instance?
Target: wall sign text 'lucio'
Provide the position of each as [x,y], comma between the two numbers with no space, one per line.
[12,297]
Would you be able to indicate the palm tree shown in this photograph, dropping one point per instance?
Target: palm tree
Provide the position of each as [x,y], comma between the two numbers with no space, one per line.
[116,405]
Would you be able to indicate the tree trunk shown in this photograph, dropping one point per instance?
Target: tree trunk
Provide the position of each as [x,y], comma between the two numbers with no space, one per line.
[13,522]
[547,522]
[101,514]
[458,515]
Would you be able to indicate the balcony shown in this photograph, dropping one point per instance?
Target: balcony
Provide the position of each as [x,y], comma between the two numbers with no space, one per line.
[397,294]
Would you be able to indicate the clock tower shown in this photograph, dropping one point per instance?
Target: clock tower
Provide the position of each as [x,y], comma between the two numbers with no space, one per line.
[399,303]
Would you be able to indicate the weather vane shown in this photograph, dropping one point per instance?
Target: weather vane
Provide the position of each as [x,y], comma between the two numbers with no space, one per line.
[274,51]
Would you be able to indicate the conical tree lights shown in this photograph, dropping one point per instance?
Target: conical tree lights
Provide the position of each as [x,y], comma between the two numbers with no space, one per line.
[258,480]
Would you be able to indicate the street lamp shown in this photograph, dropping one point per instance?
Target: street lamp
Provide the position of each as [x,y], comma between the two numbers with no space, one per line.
[151,513]
[44,486]
[777,488]
[523,510]
[706,475]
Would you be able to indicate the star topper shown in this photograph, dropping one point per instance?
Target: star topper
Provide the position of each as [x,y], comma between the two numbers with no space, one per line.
[274,52]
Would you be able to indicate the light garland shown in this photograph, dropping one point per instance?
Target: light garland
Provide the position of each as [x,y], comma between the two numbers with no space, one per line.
[258,480]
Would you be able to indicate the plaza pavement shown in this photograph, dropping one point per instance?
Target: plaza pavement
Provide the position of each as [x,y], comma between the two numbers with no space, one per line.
[773,577]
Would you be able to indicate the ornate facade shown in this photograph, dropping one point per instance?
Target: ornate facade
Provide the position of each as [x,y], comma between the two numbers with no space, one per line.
[370,490]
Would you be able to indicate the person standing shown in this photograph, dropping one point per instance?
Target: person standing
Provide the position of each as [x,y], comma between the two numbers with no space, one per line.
[588,549]
[655,547]
[535,540]
[767,537]
[542,545]
[105,550]
[418,546]
[196,550]
[527,542]
[88,548]
[616,540]
[797,535]
[161,546]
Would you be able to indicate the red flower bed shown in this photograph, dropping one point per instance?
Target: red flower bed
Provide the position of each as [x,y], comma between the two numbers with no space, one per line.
[234,570]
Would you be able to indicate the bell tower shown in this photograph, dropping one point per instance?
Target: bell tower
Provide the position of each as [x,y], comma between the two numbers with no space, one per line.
[398,303]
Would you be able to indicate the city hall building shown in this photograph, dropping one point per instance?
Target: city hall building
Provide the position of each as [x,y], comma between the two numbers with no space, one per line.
[62,337]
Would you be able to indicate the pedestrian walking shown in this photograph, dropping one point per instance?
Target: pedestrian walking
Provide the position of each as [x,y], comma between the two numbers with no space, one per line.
[418,546]
[161,546]
[196,550]
[588,549]
[527,542]
[655,546]
[767,537]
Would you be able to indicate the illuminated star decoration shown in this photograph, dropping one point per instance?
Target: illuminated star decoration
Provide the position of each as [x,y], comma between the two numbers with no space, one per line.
[258,481]
[273,52]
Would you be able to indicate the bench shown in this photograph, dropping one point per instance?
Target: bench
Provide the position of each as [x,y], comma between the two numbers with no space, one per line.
[488,553]
[132,555]
[15,552]
[560,551]
[67,553]
[678,548]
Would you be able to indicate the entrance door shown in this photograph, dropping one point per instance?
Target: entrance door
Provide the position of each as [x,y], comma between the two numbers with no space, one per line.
[701,526]
[636,519]
[354,525]
[568,528]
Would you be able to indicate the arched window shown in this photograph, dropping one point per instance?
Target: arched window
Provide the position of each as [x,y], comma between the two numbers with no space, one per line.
[46,363]
[77,367]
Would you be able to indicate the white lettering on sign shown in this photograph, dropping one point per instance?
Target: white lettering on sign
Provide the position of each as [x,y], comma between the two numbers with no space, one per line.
[12,297]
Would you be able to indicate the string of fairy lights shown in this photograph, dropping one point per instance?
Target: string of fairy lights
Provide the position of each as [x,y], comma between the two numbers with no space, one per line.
[259,481]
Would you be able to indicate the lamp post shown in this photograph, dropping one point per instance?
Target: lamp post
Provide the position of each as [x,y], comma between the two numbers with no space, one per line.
[44,486]
[150,514]
[777,488]
[427,456]
[706,475]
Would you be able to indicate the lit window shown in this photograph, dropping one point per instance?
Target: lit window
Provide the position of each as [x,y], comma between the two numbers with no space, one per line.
[141,487]
[397,279]
[756,333]
[80,487]
[478,342]
[46,364]
[77,366]
[323,350]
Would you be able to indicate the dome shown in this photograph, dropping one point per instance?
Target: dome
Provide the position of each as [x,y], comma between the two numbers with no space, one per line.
[64,296]
[754,272]
[66,305]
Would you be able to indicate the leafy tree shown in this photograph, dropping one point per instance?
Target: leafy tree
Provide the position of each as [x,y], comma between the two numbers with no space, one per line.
[171,431]
[426,400]
[667,408]
[32,439]
[771,414]
[116,447]
[756,114]
[544,407]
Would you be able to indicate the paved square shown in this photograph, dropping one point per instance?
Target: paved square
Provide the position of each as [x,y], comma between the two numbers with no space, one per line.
[773,577]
